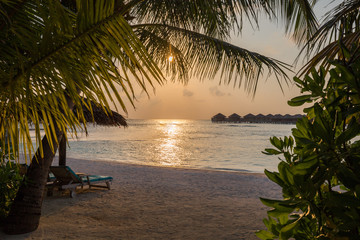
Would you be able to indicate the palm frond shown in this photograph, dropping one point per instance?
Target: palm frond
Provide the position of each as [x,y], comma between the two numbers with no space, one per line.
[298,17]
[341,23]
[212,17]
[51,55]
[196,54]
[331,52]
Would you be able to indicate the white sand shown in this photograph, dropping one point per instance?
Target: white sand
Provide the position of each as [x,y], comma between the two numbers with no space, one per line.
[157,203]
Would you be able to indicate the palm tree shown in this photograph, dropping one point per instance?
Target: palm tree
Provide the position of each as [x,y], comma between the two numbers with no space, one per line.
[340,28]
[54,53]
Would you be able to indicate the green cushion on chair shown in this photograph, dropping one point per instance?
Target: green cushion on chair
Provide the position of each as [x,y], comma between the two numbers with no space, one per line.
[95,178]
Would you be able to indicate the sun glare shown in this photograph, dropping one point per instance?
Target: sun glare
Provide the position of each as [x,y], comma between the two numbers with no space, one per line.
[168,150]
[171,58]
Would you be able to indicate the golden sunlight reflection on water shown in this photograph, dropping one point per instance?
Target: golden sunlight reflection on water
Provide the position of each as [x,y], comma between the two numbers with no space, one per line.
[182,143]
[168,151]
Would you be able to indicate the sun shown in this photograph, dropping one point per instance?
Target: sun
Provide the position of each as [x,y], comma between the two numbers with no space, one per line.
[171,58]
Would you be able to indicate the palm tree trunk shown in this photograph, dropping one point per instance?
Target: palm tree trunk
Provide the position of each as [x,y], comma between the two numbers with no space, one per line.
[25,211]
[62,151]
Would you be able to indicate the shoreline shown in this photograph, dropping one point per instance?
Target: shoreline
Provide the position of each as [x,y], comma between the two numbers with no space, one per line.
[150,202]
[108,161]
[241,171]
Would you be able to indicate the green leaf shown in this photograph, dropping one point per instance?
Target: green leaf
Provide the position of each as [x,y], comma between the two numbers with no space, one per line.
[271,151]
[276,142]
[275,177]
[300,100]
[298,81]
[265,235]
[280,213]
[305,166]
[287,231]
[352,131]
[280,205]
[347,176]
[342,201]
[285,173]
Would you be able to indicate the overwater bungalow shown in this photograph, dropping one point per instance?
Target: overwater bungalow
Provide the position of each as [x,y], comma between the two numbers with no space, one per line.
[260,118]
[235,118]
[277,118]
[249,118]
[269,116]
[219,118]
[287,118]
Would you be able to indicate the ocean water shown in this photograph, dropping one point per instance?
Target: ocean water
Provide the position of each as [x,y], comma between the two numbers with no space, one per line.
[182,143]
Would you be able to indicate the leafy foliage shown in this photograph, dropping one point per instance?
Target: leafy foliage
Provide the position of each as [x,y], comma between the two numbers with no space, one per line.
[56,52]
[340,23]
[299,19]
[50,54]
[320,172]
[10,179]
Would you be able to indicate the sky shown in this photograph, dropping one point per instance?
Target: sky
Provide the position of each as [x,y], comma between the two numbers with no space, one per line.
[204,99]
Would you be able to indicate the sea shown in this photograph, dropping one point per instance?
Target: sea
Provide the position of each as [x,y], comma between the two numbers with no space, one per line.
[198,144]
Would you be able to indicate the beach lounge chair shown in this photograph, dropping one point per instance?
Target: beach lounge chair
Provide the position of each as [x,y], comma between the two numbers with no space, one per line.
[23,168]
[66,178]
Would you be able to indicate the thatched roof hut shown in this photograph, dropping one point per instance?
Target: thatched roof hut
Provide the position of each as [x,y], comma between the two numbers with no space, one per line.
[234,118]
[98,116]
[249,117]
[260,116]
[101,117]
[219,118]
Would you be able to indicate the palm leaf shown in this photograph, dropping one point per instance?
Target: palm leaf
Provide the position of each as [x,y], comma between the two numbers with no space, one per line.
[45,61]
[298,17]
[196,54]
[213,17]
[341,23]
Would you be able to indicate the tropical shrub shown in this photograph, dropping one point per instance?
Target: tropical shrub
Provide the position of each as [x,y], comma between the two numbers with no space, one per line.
[10,179]
[319,172]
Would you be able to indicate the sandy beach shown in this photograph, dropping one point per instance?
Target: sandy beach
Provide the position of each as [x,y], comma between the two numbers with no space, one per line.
[157,203]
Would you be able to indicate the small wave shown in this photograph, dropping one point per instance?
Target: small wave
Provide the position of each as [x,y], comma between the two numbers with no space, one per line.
[231,169]
[241,125]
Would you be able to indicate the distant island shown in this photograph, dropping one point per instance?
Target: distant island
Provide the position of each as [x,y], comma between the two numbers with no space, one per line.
[260,118]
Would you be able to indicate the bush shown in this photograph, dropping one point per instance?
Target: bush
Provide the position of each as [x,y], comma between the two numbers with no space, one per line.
[10,180]
[320,169]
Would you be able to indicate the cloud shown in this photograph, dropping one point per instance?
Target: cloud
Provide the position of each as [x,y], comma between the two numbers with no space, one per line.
[155,102]
[216,92]
[187,93]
